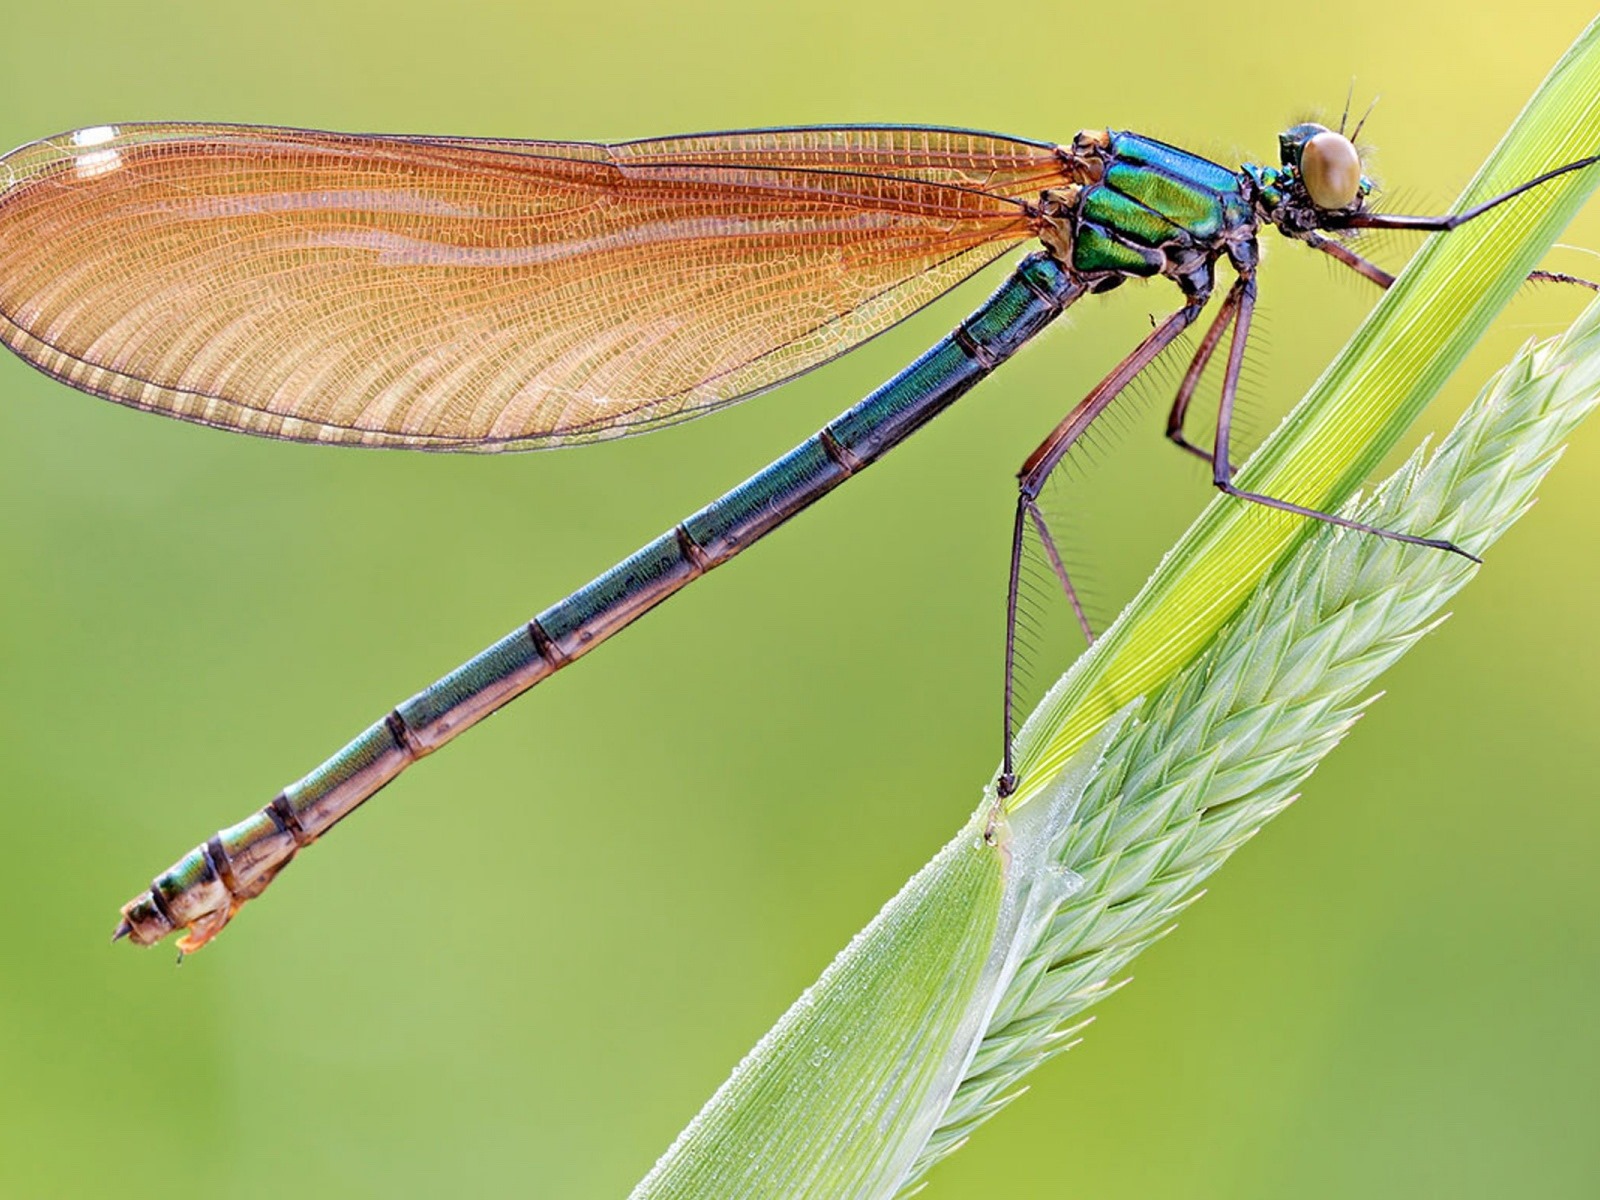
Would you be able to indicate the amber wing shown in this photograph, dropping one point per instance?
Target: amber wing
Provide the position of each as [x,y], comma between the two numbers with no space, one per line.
[442,293]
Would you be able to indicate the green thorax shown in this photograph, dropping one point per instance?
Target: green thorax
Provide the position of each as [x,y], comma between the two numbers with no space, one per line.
[1158,210]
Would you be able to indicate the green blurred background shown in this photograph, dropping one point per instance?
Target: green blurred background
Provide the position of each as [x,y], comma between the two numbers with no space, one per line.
[526,966]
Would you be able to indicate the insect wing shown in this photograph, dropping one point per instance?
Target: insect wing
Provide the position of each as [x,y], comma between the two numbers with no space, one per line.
[451,294]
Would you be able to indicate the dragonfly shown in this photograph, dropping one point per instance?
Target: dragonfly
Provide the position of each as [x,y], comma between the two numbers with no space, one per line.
[477,295]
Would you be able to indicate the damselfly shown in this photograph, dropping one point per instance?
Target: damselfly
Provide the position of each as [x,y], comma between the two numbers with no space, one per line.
[474,295]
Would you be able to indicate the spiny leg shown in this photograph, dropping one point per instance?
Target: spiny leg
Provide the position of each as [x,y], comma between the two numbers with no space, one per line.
[1372,271]
[1372,220]
[1562,277]
[1222,471]
[1043,529]
[1197,368]
[1361,266]
[1036,470]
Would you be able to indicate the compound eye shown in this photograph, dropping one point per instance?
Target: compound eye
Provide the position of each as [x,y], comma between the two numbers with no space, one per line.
[1331,170]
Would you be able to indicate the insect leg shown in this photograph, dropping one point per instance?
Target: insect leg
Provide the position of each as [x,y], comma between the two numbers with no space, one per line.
[1197,368]
[1036,470]
[1383,279]
[1222,469]
[1371,220]
[1362,266]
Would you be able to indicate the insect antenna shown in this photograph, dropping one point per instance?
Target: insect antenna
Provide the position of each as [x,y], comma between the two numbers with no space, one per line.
[1356,132]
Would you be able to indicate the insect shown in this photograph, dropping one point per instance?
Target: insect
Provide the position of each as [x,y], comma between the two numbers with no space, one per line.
[450,294]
